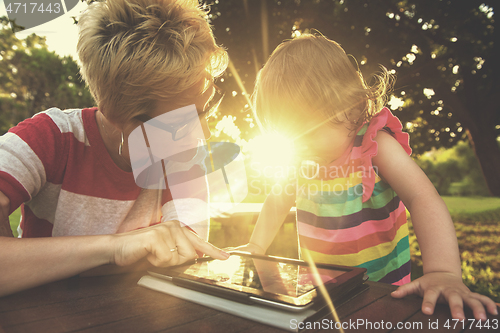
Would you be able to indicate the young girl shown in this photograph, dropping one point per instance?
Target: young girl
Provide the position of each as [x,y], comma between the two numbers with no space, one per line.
[356,177]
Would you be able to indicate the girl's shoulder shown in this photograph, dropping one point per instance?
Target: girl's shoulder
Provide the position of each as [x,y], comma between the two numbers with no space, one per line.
[383,121]
[365,146]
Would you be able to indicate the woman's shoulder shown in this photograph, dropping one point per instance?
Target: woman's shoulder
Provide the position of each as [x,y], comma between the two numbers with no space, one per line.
[56,122]
[52,118]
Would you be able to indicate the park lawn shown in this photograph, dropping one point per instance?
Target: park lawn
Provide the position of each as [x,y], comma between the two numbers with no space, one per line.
[471,204]
[474,209]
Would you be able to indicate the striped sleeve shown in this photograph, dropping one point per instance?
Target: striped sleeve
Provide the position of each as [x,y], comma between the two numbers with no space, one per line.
[31,153]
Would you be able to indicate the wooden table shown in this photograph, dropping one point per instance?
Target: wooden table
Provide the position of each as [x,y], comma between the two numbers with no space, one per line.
[116,304]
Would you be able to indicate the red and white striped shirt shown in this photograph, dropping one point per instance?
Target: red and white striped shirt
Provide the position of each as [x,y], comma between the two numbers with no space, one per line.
[57,165]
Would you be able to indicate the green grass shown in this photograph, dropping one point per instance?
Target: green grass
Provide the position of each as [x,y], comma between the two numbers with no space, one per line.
[473,209]
[14,220]
[471,204]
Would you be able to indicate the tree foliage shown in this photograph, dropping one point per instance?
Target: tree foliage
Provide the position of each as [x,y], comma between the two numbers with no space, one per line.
[454,171]
[33,79]
[443,53]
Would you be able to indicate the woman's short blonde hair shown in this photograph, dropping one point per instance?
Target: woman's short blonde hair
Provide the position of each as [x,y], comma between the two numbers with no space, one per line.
[312,75]
[136,52]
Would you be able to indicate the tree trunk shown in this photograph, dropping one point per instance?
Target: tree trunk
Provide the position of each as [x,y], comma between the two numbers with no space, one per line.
[486,148]
[481,134]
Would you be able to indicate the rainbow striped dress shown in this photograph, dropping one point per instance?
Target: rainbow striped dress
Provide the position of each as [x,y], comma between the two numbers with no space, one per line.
[347,215]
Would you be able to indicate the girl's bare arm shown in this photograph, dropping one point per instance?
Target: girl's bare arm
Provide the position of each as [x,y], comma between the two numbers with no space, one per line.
[435,232]
[273,214]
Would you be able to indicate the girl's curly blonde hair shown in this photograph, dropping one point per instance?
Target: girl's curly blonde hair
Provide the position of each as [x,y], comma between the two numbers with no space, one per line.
[311,75]
[136,52]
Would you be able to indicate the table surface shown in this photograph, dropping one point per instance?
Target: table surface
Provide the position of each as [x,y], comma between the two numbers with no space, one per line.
[115,303]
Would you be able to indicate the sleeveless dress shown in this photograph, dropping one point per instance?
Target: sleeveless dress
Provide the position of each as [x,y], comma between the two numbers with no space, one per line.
[347,215]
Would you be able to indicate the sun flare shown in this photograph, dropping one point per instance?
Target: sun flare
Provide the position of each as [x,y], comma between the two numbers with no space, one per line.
[271,150]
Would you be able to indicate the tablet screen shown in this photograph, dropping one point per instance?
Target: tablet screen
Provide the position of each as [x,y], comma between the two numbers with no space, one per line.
[244,273]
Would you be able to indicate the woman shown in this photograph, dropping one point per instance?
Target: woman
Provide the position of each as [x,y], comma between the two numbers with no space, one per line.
[71,170]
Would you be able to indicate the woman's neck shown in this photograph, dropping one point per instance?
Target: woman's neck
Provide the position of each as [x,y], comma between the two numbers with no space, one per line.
[112,139]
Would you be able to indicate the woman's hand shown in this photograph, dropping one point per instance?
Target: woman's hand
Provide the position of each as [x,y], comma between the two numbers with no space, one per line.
[447,287]
[164,244]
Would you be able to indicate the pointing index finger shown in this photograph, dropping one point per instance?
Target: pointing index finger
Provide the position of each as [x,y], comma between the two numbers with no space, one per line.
[205,247]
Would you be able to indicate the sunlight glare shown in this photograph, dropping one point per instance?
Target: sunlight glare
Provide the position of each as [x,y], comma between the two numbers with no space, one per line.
[271,150]
[225,268]
[429,92]
[395,103]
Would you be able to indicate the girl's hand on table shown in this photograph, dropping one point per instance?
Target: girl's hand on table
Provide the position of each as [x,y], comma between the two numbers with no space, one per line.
[164,244]
[447,287]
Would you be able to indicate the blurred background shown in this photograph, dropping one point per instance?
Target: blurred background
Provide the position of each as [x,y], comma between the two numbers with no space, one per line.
[443,53]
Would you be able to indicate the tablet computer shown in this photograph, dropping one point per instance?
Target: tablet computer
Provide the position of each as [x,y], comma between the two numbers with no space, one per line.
[256,279]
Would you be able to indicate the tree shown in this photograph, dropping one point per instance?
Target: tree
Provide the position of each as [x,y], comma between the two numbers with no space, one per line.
[33,79]
[444,54]
[454,171]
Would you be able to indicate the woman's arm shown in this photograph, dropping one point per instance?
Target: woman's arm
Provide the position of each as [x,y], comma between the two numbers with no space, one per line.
[29,262]
[435,232]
